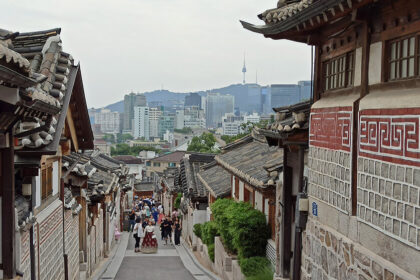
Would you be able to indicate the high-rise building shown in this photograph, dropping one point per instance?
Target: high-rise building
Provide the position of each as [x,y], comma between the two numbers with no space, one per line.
[253,98]
[108,121]
[193,99]
[141,122]
[305,90]
[253,118]
[194,117]
[166,123]
[130,101]
[284,95]
[154,115]
[266,100]
[179,119]
[217,106]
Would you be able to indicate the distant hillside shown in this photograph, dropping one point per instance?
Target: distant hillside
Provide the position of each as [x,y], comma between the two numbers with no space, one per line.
[169,98]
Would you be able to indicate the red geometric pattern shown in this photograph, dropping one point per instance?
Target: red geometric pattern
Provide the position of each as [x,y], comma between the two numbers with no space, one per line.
[390,135]
[331,128]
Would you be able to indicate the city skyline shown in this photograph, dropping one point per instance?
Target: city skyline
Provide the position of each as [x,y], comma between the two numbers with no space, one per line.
[147,54]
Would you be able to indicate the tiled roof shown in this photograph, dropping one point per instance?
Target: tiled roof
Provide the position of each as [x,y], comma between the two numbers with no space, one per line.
[289,120]
[250,160]
[128,159]
[190,184]
[216,179]
[170,157]
[284,10]
[144,186]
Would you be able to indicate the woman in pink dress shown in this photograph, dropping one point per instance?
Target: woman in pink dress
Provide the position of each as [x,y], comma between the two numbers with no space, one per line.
[149,244]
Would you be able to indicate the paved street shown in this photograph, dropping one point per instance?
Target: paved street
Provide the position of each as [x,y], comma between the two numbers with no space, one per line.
[165,264]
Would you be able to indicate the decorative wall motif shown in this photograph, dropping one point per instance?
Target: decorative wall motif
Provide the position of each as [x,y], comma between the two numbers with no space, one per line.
[391,135]
[25,260]
[331,128]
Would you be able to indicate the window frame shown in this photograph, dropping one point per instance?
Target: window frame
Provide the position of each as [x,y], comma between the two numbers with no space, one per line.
[388,60]
[46,180]
[344,74]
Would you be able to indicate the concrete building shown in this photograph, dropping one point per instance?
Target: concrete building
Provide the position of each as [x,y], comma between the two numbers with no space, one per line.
[194,117]
[231,124]
[179,119]
[217,106]
[108,121]
[193,99]
[130,101]
[253,118]
[141,122]
[154,116]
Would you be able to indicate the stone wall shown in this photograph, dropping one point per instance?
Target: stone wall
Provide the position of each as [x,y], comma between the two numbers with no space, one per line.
[270,252]
[328,254]
[388,199]
[99,240]
[329,177]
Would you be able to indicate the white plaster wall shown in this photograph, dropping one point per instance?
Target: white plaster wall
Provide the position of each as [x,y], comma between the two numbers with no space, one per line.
[258,201]
[375,63]
[38,191]
[56,178]
[241,191]
[233,186]
[199,217]
[266,209]
[358,67]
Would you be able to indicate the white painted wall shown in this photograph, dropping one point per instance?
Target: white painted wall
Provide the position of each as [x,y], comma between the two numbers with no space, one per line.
[56,178]
[38,191]
[375,63]
[258,201]
[233,187]
[358,67]
[241,191]
[266,209]
[199,217]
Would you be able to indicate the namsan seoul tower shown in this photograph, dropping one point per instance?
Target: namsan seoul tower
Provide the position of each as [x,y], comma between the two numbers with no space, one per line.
[244,69]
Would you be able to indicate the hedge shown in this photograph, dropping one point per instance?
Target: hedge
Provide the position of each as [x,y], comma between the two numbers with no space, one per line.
[177,202]
[197,230]
[243,229]
[254,265]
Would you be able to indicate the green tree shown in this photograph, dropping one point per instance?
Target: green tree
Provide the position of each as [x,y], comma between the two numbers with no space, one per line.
[122,138]
[109,138]
[203,143]
[185,130]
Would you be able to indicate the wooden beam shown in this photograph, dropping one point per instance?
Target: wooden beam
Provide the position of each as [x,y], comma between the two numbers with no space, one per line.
[7,179]
[73,134]
[365,59]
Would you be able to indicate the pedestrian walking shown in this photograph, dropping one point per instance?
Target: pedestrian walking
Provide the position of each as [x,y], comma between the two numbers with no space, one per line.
[138,234]
[132,220]
[147,208]
[174,214]
[149,244]
[169,234]
[166,229]
[177,230]
[155,214]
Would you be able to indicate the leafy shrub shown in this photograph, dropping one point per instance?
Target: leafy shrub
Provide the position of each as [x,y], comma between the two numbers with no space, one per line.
[210,250]
[197,230]
[208,232]
[254,265]
[264,274]
[219,210]
[177,202]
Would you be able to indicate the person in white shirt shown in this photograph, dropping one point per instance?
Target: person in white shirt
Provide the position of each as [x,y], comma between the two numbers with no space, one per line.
[149,244]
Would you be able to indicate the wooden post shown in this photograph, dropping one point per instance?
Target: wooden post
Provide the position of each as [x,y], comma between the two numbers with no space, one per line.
[7,179]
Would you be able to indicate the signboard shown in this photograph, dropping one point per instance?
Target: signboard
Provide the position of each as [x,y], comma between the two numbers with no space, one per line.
[315,209]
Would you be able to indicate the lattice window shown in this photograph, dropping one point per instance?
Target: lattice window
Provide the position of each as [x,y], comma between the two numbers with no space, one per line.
[402,60]
[339,72]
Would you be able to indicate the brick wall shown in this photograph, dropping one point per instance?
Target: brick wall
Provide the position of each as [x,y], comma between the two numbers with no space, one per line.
[51,261]
[25,256]
[327,254]
[71,235]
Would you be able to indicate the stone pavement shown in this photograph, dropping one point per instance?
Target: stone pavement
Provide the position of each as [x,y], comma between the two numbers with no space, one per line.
[168,263]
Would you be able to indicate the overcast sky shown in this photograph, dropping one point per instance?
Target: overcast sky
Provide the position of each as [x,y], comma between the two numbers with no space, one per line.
[142,45]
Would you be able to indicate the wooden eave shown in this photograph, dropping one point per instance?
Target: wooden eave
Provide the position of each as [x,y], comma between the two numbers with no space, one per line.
[302,27]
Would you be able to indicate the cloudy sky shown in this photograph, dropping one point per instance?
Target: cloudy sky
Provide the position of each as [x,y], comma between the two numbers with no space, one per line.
[180,45]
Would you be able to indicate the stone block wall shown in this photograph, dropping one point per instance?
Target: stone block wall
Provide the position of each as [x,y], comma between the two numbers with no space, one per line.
[100,236]
[71,235]
[388,199]
[270,252]
[329,177]
[327,254]
[25,256]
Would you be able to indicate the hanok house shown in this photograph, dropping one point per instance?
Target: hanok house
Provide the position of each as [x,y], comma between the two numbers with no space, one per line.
[41,119]
[364,159]
[144,189]
[167,189]
[159,164]
[254,167]
[290,133]
[195,197]
[96,180]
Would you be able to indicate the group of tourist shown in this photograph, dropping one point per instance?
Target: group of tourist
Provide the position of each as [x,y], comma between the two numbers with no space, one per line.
[145,214]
